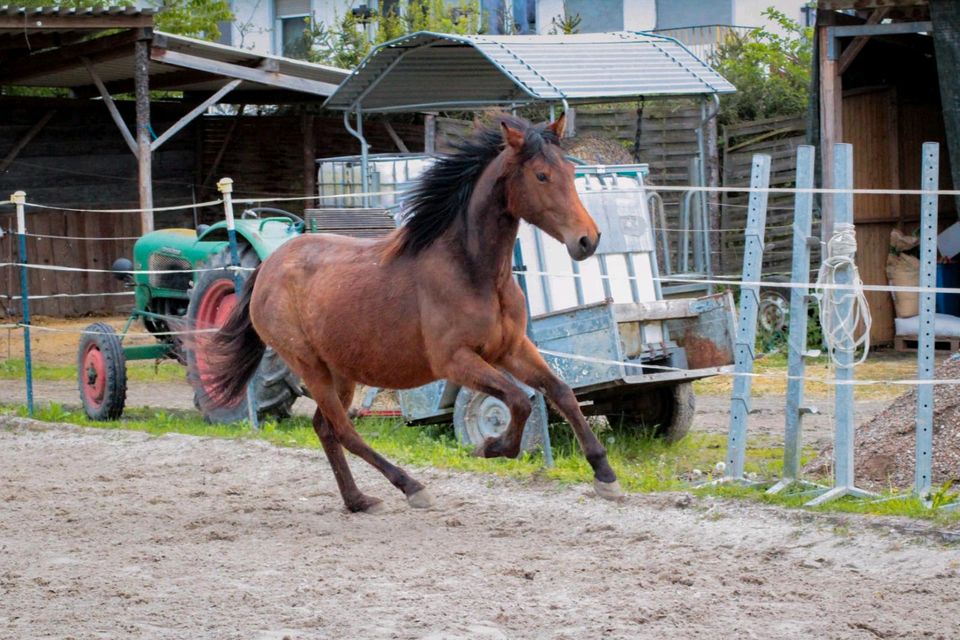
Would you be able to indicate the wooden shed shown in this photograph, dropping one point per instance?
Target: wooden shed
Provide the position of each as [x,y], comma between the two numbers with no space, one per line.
[72,139]
[886,80]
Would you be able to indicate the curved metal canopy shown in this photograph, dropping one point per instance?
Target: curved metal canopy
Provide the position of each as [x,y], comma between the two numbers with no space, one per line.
[426,70]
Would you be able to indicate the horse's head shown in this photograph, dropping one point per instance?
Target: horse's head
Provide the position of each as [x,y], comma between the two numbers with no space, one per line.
[540,187]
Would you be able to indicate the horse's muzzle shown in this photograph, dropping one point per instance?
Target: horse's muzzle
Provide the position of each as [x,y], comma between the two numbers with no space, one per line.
[583,248]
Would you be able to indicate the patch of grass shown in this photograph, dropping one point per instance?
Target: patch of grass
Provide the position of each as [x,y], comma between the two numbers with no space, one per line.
[137,371]
[644,463]
[881,366]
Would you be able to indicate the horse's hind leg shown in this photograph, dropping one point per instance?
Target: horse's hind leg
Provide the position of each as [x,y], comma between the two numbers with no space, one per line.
[352,497]
[346,434]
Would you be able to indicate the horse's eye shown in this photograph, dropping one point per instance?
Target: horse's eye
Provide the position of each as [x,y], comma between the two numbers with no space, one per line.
[542,177]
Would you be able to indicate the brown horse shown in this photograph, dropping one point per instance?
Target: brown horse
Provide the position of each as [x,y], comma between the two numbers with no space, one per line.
[435,299]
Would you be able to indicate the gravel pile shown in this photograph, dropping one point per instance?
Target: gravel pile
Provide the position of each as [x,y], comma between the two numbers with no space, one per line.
[884,453]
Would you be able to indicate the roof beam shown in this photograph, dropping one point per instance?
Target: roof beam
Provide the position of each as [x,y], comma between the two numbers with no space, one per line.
[230,70]
[71,56]
[196,111]
[854,48]
[111,107]
[177,80]
[25,140]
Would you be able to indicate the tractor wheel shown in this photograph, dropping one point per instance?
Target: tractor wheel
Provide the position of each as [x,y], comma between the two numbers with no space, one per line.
[666,411]
[478,416]
[101,372]
[213,297]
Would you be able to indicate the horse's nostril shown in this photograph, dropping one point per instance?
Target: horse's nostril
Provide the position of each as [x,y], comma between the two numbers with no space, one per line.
[585,243]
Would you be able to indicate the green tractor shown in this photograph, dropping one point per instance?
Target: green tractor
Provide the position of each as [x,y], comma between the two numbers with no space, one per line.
[183,281]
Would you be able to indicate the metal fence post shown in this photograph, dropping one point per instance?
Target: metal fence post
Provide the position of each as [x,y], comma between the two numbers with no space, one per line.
[747,322]
[843,441]
[797,336]
[225,186]
[540,404]
[926,334]
[19,199]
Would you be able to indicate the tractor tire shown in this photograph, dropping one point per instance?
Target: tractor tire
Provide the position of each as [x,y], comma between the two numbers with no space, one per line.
[101,373]
[212,298]
[665,411]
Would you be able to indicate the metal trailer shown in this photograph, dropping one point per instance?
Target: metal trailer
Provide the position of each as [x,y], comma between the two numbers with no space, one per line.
[602,324]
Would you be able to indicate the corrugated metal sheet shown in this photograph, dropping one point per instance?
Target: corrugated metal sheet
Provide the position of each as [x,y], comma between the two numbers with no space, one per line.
[444,71]
[72,74]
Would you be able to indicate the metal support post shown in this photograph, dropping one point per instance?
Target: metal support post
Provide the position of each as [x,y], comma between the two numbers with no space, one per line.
[799,296]
[926,335]
[747,322]
[19,198]
[225,186]
[539,404]
[843,441]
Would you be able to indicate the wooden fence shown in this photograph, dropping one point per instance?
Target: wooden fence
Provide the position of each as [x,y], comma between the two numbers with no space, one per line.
[779,138]
[86,254]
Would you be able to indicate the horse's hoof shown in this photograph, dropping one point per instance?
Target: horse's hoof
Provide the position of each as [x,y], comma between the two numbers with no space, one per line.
[367,505]
[494,448]
[608,490]
[420,500]
[487,448]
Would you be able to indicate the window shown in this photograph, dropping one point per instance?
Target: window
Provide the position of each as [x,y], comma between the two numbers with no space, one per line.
[291,27]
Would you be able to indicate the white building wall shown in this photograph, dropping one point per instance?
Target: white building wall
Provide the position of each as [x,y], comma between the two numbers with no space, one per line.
[639,15]
[547,10]
[749,13]
[254,23]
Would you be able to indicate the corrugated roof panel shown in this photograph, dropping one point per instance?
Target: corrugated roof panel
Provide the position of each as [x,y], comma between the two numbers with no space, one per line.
[579,67]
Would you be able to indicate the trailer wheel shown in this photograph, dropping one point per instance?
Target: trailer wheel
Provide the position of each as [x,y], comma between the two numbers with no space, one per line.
[212,297]
[101,372]
[667,411]
[478,416]
[774,311]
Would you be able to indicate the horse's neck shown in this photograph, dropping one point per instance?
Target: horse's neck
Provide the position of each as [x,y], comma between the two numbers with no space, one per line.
[489,232]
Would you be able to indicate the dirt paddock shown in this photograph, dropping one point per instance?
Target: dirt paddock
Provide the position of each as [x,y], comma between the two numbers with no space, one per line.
[107,534]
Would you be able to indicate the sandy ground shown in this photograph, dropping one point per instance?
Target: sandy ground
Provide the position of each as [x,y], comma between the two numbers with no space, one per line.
[107,534]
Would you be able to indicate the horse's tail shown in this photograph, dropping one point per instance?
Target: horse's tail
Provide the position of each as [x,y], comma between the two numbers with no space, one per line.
[234,351]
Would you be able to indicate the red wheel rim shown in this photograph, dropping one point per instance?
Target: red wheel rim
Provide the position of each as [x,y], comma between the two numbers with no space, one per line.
[216,305]
[94,375]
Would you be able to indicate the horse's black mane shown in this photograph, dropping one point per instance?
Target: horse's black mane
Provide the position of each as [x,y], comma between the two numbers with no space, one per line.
[444,190]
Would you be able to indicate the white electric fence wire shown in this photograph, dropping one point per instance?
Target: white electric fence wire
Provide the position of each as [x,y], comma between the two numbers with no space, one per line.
[645,189]
[179,207]
[71,295]
[717,280]
[734,374]
[53,267]
[843,333]
[91,238]
[34,327]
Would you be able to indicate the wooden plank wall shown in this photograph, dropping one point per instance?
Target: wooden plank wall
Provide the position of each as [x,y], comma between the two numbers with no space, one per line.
[264,154]
[98,254]
[668,141]
[778,137]
[79,159]
[887,130]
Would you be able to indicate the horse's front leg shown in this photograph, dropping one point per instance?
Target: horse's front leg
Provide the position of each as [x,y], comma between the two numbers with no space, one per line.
[528,366]
[468,369]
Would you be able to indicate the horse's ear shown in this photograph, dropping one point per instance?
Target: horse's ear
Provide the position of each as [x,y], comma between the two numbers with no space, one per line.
[559,126]
[513,137]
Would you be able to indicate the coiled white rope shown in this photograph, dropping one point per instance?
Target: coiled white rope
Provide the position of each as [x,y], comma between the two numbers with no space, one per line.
[840,330]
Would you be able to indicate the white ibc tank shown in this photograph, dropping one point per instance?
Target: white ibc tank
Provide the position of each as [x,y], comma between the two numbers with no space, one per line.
[390,173]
